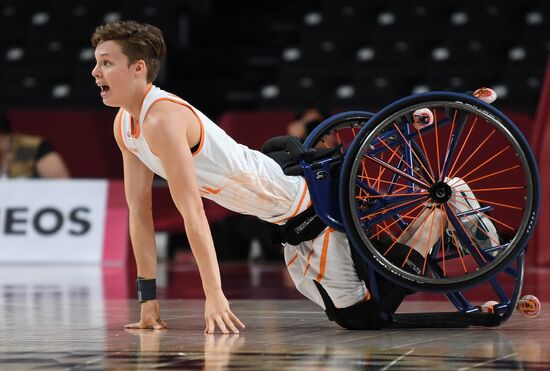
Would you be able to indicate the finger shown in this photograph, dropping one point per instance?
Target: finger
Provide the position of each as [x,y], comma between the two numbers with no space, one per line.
[164,325]
[236,320]
[134,325]
[229,323]
[221,325]
[210,327]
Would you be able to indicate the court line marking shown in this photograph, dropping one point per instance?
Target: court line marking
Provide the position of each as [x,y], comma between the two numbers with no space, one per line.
[392,363]
[487,362]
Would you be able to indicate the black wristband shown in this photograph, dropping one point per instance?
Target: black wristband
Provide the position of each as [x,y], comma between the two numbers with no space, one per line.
[146,289]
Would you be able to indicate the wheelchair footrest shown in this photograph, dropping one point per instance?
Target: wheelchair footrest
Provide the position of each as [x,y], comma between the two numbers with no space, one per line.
[444,320]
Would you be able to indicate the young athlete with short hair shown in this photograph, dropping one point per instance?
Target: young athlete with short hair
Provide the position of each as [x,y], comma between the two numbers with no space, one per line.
[160,133]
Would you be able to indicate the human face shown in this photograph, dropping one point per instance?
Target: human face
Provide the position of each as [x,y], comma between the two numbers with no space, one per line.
[116,79]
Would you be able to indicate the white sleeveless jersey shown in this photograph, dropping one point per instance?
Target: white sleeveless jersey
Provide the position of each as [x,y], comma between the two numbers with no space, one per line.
[236,177]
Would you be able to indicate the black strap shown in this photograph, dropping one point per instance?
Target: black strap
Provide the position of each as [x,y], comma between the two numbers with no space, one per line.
[444,320]
[303,227]
[146,289]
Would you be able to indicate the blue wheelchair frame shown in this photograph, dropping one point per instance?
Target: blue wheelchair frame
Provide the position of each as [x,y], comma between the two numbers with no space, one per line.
[323,188]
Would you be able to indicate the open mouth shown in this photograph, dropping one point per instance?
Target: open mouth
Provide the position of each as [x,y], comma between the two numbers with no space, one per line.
[104,89]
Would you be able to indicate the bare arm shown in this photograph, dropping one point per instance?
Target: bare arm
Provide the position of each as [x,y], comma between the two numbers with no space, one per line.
[52,166]
[169,131]
[137,186]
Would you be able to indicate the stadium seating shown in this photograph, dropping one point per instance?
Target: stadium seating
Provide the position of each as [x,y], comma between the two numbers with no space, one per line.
[345,54]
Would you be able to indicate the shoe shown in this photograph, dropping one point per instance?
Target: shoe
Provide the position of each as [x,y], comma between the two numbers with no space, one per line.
[479,226]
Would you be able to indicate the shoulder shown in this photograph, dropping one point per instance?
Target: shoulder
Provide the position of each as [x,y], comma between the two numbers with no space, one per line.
[118,118]
[168,115]
[117,127]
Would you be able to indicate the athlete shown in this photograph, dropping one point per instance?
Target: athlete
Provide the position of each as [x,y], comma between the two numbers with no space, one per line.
[160,133]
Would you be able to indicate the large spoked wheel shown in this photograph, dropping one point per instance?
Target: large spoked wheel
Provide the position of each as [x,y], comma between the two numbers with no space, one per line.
[338,130]
[461,190]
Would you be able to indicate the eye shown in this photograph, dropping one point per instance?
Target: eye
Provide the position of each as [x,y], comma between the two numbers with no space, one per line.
[106,63]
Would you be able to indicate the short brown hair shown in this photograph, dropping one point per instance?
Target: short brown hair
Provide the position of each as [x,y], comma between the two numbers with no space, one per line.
[138,41]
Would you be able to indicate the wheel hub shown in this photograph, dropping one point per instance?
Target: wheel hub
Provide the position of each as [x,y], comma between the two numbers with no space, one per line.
[440,192]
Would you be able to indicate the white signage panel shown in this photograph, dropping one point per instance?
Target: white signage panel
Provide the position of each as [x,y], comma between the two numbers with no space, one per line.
[56,221]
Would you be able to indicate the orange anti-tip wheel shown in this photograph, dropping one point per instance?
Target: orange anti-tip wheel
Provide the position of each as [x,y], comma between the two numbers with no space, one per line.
[529,306]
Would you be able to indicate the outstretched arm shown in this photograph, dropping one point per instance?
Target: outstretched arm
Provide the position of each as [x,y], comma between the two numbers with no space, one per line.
[137,185]
[169,131]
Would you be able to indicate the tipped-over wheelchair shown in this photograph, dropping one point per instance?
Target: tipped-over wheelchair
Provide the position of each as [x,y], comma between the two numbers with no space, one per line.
[412,155]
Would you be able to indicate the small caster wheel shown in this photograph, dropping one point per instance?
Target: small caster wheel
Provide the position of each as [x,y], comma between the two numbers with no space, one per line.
[529,306]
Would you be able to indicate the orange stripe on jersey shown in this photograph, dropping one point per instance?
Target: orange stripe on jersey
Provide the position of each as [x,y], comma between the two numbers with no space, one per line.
[324,255]
[136,131]
[201,140]
[118,120]
[292,260]
[213,191]
[304,192]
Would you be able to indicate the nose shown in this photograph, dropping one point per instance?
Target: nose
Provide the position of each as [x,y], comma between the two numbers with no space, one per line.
[95,71]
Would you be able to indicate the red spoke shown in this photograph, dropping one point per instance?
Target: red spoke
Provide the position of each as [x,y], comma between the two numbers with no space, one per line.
[364,175]
[405,162]
[377,181]
[463,145]
[388,231]
[487,161]
[414,153]
[393,207]
[385,181]
[491,202]
[384,169]
[394,195]
[457,245]
[428,248]
[437,146]
[501,223]
[402,233]
[476,223]
[449,142]
[493,174]
[473,153]
[411,248]
[497,189]
[468,235]
[425,151]
[403,217]
[442,224]
[397,171]
[339,141]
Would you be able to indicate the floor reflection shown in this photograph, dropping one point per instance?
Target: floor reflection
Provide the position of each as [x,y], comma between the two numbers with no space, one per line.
[72,317]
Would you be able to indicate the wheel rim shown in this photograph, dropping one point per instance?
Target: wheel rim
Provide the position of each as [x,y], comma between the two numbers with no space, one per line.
[410,165]
[338,131]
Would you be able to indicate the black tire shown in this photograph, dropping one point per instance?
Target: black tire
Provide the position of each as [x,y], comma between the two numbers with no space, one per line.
[353,120]
[469,107]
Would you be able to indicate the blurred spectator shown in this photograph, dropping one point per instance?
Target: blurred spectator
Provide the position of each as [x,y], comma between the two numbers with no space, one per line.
[305,121]
[26,156]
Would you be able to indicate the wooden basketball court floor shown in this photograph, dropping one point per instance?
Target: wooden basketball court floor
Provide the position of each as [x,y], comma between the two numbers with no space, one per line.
[65,318]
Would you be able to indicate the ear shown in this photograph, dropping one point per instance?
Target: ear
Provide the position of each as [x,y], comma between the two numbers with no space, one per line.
[140,67]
